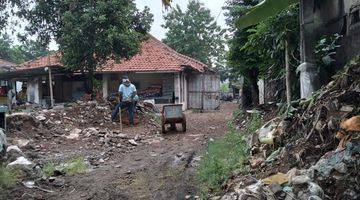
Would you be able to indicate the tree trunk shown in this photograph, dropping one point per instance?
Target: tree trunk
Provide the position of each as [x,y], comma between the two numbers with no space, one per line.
[287,69]
[254,86]
[250,91]
[246,96]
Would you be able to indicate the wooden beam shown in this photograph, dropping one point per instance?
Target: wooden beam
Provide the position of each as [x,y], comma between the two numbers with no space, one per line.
[51,88]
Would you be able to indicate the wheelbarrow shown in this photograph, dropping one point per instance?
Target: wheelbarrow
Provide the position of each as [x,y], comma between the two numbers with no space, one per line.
[173,114]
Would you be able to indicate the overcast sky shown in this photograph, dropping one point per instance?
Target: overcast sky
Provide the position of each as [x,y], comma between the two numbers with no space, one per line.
[157,9]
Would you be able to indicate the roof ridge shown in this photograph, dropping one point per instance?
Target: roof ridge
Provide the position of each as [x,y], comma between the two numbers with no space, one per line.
[179,54]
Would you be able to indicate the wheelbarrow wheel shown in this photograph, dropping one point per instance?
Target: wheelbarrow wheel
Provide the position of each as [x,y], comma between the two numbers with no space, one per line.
[184,124]
[163,129]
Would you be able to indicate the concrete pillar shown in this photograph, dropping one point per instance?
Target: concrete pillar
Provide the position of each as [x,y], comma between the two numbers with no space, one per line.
[183,90]
[177,88]
[309,80]
[308,74]
[34,91]
[261,85]
[105,85]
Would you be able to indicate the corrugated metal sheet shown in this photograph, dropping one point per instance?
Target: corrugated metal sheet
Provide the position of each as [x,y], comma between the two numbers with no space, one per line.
[204,91]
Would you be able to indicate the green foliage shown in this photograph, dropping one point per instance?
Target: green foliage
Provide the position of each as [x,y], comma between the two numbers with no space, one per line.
[71,167]
[259,50]
[262,46]
[195,33]
[5,48]
[25,51]
[75,166]
[225,155]
[326,48]
[224,87]
[9,8]
[49,169]
[7,178]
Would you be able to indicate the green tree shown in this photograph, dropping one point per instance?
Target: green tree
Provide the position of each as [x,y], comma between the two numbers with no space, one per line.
[5,47]
[263,11]
[88,32]
[27,50]
[242,63]
[195,33]
[258,50]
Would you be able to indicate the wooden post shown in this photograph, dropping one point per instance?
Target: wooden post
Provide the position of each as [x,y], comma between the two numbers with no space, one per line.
[121,128]
[287,70]
[202,91]
[51,89]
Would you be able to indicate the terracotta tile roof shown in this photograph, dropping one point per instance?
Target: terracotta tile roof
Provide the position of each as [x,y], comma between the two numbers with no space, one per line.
[154,56]
[41,62]
[5,63]
[6,66]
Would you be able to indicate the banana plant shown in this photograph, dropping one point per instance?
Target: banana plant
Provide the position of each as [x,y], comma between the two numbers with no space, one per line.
[262,11]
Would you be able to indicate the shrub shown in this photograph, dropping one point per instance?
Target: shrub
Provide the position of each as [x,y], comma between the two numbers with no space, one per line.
[225,155]
[71,167]
[7,177]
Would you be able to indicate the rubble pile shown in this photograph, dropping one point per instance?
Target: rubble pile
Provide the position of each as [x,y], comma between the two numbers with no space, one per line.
[83,125]
[311,154]
[73,119]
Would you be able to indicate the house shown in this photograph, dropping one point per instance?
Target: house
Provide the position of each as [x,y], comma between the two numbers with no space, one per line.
[6,66]
[159,72]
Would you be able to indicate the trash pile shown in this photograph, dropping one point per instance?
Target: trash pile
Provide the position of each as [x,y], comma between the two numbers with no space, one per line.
[311,154]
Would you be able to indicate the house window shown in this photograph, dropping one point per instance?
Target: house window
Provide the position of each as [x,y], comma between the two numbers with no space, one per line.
[355,17]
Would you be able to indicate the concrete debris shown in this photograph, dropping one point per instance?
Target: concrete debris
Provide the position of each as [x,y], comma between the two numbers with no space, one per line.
[13,152]
[56,181]
[132,142]
[90,131]
[137,137]
[20,161]
[40,117]
[300,180]
[21,142]
[256,161]
[74,134]
[29,184]
[3,144]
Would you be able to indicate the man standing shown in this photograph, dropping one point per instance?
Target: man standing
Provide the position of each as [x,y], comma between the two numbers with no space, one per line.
[127,93]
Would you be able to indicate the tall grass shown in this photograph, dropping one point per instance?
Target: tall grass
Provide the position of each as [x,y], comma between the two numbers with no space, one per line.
[7,178]
[71,167]
[225,155]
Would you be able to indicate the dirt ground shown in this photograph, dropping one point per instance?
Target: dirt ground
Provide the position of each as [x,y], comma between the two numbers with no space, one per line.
[159,167]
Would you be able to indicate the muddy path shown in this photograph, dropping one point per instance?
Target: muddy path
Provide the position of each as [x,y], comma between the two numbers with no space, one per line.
[161,167]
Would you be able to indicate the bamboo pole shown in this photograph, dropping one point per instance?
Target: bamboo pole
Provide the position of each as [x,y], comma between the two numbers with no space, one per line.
[51,89]
[121,127]
[287,69]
